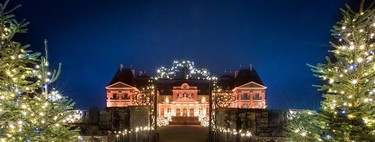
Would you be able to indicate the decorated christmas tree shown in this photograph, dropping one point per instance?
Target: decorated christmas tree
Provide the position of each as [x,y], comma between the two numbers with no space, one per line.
[348,109]
[304,126]
[30,107]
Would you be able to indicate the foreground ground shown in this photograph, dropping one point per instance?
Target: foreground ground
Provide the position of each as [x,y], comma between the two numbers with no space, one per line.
[183,133]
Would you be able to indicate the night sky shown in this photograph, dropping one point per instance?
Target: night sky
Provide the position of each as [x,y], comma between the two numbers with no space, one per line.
[92,37]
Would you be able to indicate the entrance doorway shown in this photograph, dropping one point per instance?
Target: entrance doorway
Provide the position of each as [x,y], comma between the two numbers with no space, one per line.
[184,112]
[191,113]
[178,112]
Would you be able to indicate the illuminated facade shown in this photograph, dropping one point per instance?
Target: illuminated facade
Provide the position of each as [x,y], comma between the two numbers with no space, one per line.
[184,98]
[183,91]
[246,86]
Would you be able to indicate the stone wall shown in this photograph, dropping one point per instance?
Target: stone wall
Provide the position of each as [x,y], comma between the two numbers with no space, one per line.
[239,125]
[120,124]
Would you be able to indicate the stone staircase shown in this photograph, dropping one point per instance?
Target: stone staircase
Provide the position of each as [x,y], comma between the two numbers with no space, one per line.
[179,120]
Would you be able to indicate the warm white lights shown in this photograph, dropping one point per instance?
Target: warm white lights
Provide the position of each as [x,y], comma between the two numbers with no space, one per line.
[183,69]
[362,47]
[354,81]
[359,60]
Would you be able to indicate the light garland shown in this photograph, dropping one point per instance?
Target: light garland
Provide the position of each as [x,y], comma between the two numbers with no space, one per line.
[183,70]
[31,110]
[144,97]
[204,120]
[242,133]
[163,121]
[223,99]
[125,132]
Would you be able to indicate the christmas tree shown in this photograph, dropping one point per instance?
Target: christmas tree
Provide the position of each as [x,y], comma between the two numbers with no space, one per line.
[348,109]
[30,108]
[304,126]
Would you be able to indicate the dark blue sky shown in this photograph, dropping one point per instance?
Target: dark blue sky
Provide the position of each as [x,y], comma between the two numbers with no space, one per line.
[92,37]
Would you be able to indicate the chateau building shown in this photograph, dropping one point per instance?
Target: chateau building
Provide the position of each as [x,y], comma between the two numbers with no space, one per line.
[181,95]
[183,91]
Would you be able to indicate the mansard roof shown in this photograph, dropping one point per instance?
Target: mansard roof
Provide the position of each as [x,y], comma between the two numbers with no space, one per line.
[142,81]
[243,76]
[247,75]
[126,75]
[226,81]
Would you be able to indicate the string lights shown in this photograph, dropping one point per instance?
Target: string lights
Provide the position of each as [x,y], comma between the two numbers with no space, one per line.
[183,69]
[347,109]
[30,108]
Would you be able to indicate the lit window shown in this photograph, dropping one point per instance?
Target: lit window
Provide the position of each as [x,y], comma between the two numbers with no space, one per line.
[245,96]
[114,97]
[125,97]
[257,97]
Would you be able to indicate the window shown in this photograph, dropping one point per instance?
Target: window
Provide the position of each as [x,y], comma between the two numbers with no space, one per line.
[257,97]
[125,96]
[114,97]
[245,96]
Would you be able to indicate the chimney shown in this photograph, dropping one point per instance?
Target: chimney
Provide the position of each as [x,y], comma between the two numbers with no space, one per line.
[235,74]
[251,67]
[140,73]
[121,67]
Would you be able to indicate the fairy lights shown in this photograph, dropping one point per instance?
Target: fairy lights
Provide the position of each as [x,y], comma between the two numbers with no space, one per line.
[30,109]
[204,120]
[144,97]
[234,132]
[224,99]
[183,69]
[163,120]
[348,93]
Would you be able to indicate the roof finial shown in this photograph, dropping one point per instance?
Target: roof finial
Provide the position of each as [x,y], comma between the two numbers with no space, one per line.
[121,67]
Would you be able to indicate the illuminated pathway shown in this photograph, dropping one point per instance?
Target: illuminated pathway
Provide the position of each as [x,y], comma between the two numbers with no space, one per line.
[183,133]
